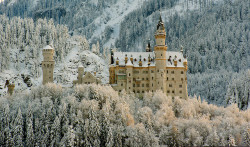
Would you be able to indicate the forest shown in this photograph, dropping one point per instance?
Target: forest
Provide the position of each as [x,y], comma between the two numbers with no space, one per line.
[95,115]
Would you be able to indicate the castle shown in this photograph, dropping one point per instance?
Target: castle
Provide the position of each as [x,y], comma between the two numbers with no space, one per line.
[140,72]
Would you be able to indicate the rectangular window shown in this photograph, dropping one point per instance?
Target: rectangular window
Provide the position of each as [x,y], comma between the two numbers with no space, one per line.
[170,85]
[121,71]
[142,85]
[173,79]
[136,71]
[180,86]
[173,91]
[152,71]
[122,77]
[142,79]
[182,79]
[182,72]
[145,72]
[133,85]
[147,85]
[146,78]
[138,91]
[172,72]
[138,85]
[180,91]
[167,71]
[167,78]
[142,91]
[168,91]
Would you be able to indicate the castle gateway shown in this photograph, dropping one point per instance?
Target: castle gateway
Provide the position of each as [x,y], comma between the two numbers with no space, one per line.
[140,72]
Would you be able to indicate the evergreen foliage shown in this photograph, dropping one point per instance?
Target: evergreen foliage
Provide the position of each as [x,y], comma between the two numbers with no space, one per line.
[95,115]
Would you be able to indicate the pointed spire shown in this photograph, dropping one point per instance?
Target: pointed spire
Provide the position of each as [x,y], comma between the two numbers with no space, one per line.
[160,24]
[181,49]
[160,18]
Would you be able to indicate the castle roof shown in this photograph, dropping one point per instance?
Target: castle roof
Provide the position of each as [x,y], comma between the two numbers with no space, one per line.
[47,47]
[145,56]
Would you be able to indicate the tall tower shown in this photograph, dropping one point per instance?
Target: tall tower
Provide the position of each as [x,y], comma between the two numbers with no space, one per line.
[80,74]
[48,64]
[160,56]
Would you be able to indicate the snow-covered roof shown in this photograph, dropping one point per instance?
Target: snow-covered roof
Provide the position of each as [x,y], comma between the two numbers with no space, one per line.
[144,57]
[136,58]
[171,56]
[129,63]
[47,47]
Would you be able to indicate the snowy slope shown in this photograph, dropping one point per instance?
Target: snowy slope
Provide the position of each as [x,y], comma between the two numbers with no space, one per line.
[116,14]
[64,73]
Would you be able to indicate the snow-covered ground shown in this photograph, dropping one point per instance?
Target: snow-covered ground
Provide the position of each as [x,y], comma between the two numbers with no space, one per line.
[116,14]
[122,8]
[64,73]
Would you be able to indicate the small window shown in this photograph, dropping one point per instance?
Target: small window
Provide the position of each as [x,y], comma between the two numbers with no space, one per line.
[172,72]
[173,79]
[180,91]
[146,78]
[167,71]
[182,79]
[158,70]
[142,91]
[120,91]
[138,85]
[147,85]
[170,85]
[133,85]
[168,91]
[173,91]
[142,79]
[121,84]
[152,85]
[167,78]
[138,91]
[128,87]
[152,78]
[142,85]
[129,74]
[161,54]
[152,71]
[180,86]
[182,72]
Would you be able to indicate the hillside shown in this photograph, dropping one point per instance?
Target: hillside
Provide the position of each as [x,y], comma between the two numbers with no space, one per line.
[214,34]
[94,115]
[21,53]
